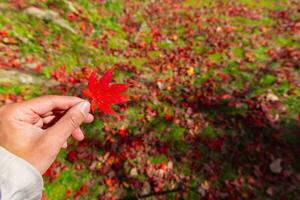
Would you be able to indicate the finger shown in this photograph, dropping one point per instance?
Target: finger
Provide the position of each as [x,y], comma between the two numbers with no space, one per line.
[51,120]
[47,114]
[89,118]
[78,134]
[48,119]
[63,128]
[45,104]
[39,123]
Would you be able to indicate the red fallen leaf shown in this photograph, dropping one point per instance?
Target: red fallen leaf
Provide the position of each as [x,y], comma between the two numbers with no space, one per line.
[163,149]
[271,53]
[68,192]
[109,182]
[72,156]
[43,196]
[123,117]
[15,63]
[225,77]
[3,34]
[168,117]
[229,29]
[71,16]
[82,190]
[37,68]
[163,166]
[103,94]
[157,189]
[122,131]
[54,170]
[137,143]
[216,144]
[284,14]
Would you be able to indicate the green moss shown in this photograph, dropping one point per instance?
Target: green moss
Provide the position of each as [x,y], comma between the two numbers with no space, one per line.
[158,159]
[138,62]
[243,21]
[238,52]
[109,60]
[210,132]
[271,4]
[283,41]
[268,79]
[154,54]
[261,54]
[114,6]
[133,113]
[284,87]
[217,57]
[166,44]
[117,43]
[198,4]
[68,179]
[176,134]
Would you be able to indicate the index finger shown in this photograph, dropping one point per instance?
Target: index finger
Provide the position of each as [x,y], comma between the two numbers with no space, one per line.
[44,104]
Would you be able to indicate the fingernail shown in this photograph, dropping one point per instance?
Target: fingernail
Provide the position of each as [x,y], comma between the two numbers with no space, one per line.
[84,107]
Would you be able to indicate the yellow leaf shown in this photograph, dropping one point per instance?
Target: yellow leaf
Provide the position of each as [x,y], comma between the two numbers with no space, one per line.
[190,71]
[205,185]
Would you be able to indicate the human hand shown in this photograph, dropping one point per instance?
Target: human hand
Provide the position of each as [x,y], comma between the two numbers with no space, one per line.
[37,129]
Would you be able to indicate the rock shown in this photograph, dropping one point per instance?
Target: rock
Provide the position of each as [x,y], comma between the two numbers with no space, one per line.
[64,24]
[14,76]
[41,14]
[275,166]
[50,16]
[71,6]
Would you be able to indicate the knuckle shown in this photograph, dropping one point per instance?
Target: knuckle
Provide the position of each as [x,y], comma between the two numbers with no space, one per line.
[52,100]
[74,121]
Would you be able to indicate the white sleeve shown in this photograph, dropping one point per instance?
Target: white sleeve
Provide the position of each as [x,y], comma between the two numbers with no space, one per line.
[18,179]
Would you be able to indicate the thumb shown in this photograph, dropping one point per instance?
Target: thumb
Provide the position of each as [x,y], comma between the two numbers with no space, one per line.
[61,130]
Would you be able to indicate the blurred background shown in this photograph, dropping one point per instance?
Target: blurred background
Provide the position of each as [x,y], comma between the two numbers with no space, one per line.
[214,108]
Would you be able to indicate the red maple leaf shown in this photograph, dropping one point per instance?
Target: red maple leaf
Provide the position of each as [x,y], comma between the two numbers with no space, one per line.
[104,94]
